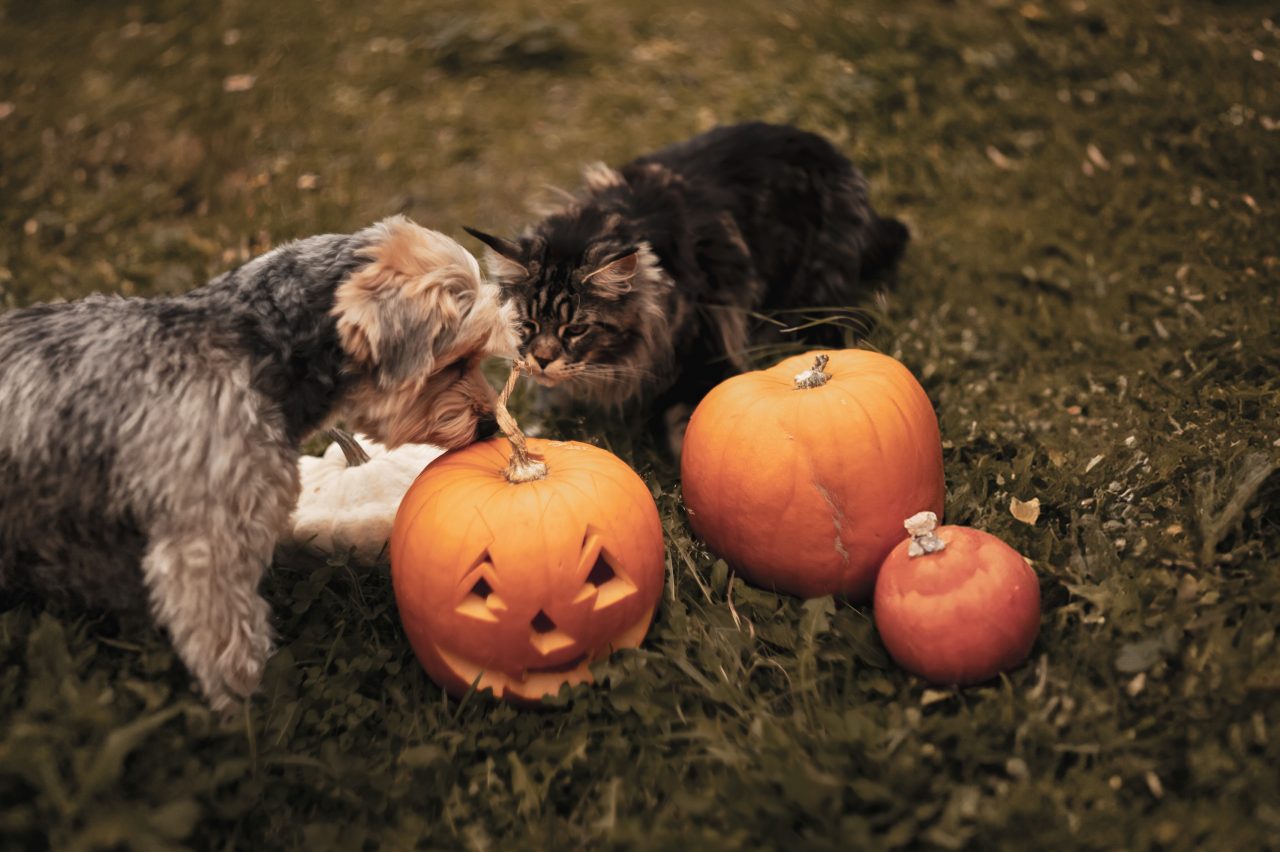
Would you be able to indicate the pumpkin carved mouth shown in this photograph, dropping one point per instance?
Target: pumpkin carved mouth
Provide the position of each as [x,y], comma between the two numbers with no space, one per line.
[536,681]
[563,668]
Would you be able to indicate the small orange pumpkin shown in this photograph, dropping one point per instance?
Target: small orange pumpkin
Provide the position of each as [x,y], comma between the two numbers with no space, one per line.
[520,565]
[800,478]
[956,605]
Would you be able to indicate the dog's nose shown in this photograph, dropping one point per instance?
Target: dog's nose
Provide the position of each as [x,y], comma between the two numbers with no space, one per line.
[486,427]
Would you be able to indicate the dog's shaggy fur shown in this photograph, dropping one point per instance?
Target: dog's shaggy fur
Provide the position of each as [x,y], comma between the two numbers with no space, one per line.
[148,447]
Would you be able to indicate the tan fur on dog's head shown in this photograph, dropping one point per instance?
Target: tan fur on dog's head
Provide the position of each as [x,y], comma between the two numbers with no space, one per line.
[417,321]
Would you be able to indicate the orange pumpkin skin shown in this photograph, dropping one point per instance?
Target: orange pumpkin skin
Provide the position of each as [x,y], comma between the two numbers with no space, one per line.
[804,490]
[524,585]
[961,615]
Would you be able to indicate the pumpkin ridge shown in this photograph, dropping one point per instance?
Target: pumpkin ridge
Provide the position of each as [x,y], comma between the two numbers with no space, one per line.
[619,487]
[743,433]
[734,480]
[566,483]
[789,431]
[773,383]
[640,507]
[480,516]
[866,416]
[420,507]
[906,425]
[596,476]
[638,504]
[592,475]
[906,421]
[490,464]
[546,497]
[895,400]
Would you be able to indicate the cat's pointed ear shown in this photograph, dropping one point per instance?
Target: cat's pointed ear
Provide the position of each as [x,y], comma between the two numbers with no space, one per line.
[503,257]
[506,248]
[614,278]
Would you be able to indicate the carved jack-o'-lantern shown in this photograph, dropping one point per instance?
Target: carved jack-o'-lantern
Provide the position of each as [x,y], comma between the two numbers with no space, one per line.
[515,573]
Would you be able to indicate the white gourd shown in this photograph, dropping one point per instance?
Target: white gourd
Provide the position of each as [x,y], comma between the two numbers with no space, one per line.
[347,504]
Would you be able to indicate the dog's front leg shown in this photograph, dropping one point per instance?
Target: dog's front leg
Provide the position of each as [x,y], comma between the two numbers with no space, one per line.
[203,587]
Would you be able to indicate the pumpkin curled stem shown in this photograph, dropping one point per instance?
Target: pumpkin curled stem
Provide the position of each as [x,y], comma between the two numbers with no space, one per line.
[523,467]
[350,447]
[816,376]
[924,540]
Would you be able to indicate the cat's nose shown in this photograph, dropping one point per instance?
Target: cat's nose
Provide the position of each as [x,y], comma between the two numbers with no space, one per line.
[544,350]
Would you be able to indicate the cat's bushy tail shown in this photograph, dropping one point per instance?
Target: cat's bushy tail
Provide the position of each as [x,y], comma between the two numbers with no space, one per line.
[888,240]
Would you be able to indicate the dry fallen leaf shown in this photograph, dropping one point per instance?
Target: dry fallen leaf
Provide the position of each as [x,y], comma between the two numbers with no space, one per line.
[996,156]
[1027,512]
[239,83]
[1153,784]
[933,696]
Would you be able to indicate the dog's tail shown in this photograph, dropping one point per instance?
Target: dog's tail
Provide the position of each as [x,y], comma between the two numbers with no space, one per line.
[887,241]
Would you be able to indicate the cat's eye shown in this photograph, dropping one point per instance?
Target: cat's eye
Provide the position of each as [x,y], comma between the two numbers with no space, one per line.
[528,328]
[575,330]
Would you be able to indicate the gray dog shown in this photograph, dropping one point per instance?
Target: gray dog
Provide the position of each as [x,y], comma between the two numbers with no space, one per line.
[149,447]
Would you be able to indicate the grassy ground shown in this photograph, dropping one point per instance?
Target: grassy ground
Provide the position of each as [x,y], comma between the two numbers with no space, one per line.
[1090,301]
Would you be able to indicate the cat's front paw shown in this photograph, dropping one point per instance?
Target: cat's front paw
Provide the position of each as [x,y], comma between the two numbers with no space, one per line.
[676,420]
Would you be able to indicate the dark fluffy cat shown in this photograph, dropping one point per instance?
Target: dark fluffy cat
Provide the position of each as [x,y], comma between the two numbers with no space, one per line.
[642,286]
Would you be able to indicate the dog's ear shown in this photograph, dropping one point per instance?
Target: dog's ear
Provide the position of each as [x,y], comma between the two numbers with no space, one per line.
[404,310]
[504,259]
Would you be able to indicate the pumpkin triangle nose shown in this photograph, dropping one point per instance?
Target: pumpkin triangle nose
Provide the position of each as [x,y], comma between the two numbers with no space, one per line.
[542,623]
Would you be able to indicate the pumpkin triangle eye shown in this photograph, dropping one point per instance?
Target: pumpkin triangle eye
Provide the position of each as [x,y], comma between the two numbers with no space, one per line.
[601,573]
[603,582]
[481,602]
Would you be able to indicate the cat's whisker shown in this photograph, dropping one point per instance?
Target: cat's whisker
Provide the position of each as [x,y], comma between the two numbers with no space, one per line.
[597,366]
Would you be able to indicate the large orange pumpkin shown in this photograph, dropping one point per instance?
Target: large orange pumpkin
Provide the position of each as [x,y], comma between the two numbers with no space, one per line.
[523,584]
[800,477]
[956,605]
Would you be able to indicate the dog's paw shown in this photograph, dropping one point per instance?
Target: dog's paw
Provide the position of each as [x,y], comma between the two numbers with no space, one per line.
[244,658]
[228,655]
[225,705]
